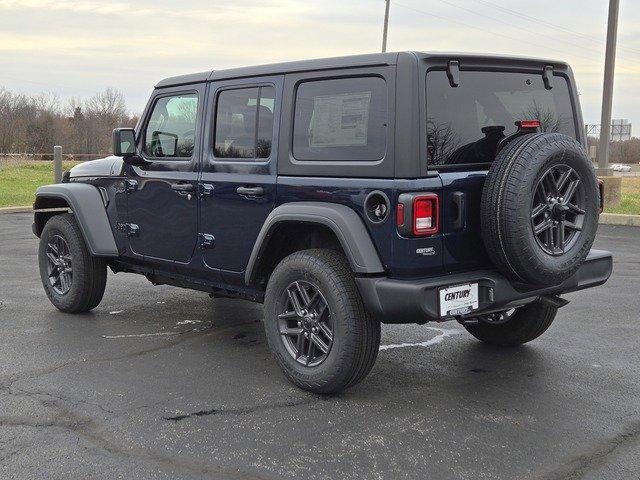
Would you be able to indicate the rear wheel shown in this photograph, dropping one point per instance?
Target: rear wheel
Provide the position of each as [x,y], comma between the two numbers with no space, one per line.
[316,324]
[514,327]
[73,279]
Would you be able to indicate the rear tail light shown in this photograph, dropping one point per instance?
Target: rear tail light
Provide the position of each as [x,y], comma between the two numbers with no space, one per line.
[425,215]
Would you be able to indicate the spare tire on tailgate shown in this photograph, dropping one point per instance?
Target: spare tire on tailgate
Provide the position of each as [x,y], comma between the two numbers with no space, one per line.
[540,206]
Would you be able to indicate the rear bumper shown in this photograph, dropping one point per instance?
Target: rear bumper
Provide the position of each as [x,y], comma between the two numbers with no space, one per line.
[416,301]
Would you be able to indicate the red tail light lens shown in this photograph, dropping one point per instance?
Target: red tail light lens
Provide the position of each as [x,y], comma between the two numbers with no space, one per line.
[529,124]
[425,215]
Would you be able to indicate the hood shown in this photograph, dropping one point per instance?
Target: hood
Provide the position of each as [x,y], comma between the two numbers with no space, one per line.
[102,167]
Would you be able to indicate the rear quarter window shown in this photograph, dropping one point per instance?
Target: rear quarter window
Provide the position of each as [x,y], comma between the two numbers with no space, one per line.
[465,123]
[340,119]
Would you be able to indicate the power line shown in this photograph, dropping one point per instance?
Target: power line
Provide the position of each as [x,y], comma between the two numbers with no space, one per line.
[550,24]
[501,21]
[484,30]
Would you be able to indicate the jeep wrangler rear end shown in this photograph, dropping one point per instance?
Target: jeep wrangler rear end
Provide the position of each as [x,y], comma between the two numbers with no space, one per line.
[342,193]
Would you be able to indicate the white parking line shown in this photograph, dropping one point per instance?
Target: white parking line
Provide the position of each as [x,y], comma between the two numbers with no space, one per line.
[444,333]
[141,335]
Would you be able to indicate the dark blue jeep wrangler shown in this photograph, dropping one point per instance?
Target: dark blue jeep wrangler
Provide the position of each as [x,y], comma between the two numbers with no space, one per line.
[341,193]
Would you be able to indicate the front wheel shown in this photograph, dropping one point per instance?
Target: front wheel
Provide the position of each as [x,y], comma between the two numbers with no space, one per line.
[514,327]
[73,279]
[316,324]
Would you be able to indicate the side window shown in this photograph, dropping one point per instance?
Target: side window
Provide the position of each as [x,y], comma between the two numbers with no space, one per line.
[341,119]
[244,123]
[171,130]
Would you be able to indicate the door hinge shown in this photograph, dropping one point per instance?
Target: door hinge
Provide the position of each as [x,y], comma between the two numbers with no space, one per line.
[129,229]
[130,185]
[206,240]
[205,190]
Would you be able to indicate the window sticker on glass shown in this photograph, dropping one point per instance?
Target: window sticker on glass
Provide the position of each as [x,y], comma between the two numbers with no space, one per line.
[340,120]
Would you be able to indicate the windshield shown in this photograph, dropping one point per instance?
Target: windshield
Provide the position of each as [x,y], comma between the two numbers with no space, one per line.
[465,123]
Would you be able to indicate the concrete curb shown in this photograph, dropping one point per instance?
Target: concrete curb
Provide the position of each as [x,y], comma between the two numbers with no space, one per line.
[15,209]
[620,219]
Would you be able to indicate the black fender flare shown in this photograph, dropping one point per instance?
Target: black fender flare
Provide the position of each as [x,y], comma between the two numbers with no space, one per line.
[342,220]
[87,206]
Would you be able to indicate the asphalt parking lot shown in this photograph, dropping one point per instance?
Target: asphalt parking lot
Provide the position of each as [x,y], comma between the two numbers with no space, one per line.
[160,382]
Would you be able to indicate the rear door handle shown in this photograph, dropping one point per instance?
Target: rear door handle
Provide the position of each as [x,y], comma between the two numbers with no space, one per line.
[250,191]
[182,187]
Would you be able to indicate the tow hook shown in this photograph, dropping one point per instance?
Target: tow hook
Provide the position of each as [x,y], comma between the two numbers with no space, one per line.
[554,300]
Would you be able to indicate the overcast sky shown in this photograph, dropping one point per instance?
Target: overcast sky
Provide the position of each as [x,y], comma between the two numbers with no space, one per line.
[77,47]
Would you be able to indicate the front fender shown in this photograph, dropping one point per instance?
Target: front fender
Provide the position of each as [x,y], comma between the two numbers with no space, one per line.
[342,220]
[87,206]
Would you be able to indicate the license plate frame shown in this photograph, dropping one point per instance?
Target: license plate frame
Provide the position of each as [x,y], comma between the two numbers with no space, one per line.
[464,299]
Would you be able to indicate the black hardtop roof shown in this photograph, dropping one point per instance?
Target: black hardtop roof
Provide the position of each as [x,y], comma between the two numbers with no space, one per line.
[366,60]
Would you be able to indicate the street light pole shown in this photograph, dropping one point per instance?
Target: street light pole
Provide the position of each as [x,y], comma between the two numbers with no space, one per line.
[607,89]
[386,25]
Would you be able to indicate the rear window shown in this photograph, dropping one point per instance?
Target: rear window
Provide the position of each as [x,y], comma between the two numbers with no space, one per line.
[340,119]
[465,123]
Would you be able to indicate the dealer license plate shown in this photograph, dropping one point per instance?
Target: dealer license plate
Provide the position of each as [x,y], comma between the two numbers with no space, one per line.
[458,299]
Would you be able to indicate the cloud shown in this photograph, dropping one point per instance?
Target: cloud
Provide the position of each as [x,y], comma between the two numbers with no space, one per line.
[80,45]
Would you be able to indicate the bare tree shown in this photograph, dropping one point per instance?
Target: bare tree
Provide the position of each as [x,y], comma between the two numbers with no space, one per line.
[33,124]
[441,140]
[549,122]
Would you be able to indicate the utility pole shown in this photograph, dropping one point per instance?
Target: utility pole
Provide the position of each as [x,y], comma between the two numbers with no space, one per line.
[386,25]
[607,89]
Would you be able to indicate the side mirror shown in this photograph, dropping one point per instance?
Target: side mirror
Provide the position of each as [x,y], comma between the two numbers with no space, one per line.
[124,145]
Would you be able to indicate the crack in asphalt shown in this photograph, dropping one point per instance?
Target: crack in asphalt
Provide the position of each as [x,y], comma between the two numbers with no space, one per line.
[8,381]
[245,410]
[579,466]
[86,428]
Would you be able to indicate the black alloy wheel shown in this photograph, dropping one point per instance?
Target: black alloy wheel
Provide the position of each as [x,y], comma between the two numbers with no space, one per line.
[539,209]
[305,324]
[73,279]
[557,211]
[59,264]
[315,322]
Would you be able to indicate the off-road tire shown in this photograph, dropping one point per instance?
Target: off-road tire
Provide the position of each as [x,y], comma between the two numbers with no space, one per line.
[89,272]
[356,336]
[526,323]
[506,208]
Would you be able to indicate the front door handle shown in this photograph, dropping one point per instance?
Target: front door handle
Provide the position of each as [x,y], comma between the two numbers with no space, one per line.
[250,191]
[182,187]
